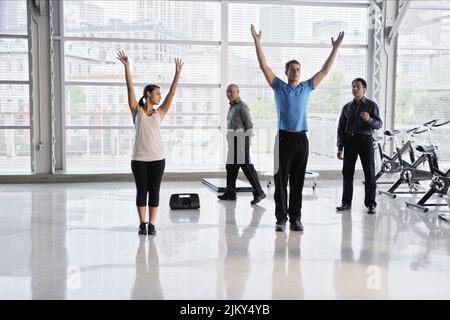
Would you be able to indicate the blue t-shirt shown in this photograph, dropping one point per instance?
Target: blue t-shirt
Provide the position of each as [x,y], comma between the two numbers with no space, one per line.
[292,104]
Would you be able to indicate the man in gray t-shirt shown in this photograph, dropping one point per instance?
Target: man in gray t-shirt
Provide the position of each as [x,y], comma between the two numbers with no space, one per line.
[239,125]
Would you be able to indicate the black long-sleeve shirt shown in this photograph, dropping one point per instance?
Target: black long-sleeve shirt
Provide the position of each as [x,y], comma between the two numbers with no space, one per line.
[350,120]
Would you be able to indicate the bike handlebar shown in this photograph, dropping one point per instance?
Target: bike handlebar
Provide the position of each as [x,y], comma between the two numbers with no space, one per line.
[433,123]
[436,124]
[430,123]
[417,131]
[412,130]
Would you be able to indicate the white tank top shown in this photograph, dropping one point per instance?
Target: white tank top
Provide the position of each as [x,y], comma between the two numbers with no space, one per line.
[148,144]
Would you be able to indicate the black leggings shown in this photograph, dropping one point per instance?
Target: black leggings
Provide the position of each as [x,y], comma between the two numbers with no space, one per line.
[148,176]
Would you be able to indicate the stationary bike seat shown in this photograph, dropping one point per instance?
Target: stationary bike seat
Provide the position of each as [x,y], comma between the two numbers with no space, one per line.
[391,133]
[425,149]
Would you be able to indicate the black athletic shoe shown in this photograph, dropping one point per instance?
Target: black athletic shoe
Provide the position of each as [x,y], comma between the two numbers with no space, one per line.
[296,226]
[227,196]
[371,210]
[343,207]
[151,229]
[258,198]
[280,226]
[142,228]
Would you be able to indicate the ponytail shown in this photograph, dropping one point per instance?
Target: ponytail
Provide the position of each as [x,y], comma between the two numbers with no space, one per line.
[141,102]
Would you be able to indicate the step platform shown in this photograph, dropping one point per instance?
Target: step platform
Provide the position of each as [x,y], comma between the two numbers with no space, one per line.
[220,185]
[268,176]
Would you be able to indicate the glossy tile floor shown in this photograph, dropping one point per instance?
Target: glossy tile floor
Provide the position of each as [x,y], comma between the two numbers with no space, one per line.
[80,241]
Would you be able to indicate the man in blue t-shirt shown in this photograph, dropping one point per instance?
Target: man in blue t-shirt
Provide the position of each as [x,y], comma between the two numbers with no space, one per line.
[291,143]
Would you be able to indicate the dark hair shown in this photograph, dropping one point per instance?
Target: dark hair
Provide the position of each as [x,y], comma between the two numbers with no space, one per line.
[149,87]
[288,65]
[363,82]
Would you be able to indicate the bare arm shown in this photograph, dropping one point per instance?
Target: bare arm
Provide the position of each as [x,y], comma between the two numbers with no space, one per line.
[318,77]
[165,106]
[268,73]
[132,102]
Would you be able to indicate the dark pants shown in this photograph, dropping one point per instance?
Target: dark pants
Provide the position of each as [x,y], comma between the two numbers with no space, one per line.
[247,168]
[148,176]
[361,145]
[292,153]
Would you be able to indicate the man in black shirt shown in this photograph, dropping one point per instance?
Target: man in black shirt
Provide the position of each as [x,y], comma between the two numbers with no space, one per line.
[359,118]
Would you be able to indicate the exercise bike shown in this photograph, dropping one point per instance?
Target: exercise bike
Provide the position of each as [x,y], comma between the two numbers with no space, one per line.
[391,164]
[439,185]
[410,173]
[440,182]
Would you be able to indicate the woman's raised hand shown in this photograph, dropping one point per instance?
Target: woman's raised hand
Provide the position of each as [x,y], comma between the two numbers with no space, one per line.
[178,65]
[123,58]
[256,35]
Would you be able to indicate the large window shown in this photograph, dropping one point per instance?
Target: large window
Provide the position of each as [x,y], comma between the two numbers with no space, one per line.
[98,131]
[14,89]
[423,64]
[303,33]
[98,126]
